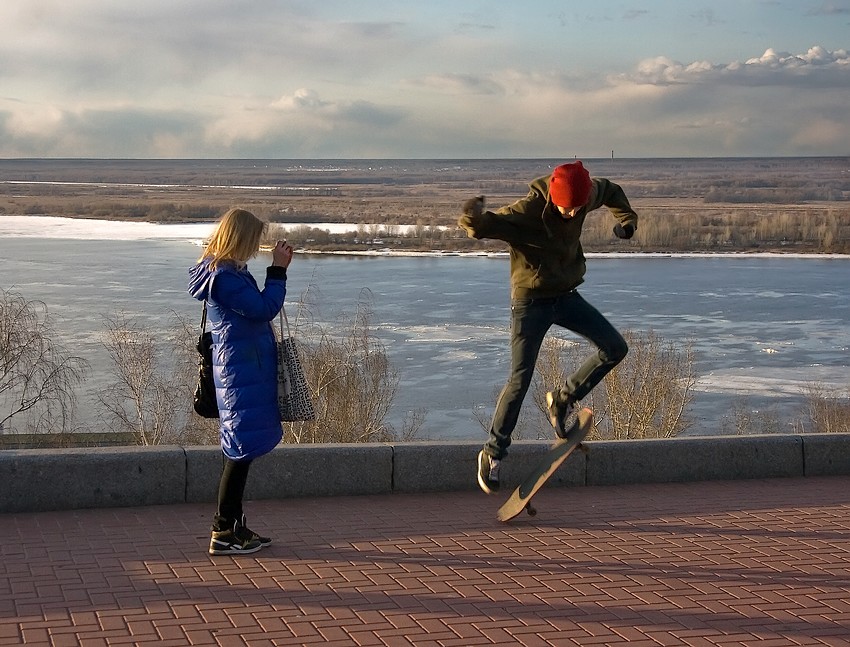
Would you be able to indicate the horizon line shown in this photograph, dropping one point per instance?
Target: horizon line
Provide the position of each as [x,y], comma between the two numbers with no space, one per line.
[417,159]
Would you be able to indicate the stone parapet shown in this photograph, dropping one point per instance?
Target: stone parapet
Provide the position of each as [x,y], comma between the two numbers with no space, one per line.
[36,480]
[695,459]
[61,479]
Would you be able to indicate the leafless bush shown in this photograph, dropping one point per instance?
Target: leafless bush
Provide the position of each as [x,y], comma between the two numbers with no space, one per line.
[645,396]
[828,409]
[743,419]
[37,375]
[153,379]
[352,382]
[650,390]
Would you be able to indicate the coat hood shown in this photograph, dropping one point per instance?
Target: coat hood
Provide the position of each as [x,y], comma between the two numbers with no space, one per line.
[540,187]
[199,279]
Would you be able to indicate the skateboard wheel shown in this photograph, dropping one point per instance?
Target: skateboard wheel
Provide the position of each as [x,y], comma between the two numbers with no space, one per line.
[531,510]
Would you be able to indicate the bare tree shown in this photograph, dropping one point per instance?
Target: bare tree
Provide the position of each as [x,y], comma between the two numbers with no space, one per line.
[37,375]
[154,376]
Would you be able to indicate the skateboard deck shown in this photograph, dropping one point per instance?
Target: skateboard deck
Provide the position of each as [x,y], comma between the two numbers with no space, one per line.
[520,499]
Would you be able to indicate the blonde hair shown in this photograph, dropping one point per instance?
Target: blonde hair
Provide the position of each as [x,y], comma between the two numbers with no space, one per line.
[235,238]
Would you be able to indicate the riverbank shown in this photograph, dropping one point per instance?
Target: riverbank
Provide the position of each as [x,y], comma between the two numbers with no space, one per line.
[799,205]
[68,228]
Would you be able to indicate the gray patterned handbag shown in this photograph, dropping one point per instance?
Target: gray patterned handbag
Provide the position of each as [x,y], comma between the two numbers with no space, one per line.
[293,394]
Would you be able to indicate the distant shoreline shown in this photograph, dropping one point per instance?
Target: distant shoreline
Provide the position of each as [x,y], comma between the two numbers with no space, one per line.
[505,255]
[742,205]
[17,226]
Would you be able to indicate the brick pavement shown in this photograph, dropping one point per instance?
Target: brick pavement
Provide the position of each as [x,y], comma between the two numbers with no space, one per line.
[722,563]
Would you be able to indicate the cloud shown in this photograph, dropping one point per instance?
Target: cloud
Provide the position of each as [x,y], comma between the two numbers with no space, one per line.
[305,100]
[304,124]
[99,49]
[248,78]
[818,67]
[302,99]
[819,133]
[109,132]
[707,18]
[459,84]
[773,104]
[829,9]
[472,27]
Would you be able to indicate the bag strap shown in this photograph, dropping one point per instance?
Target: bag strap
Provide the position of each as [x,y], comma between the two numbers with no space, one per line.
[204,315]
[281,316]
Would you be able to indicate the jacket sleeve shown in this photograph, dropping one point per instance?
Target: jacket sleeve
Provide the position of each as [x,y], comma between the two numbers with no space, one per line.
[510,223]
[239,293]
[612,196]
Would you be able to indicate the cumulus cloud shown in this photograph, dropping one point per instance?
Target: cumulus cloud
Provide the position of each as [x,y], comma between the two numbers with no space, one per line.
[818,67]
[264,78]
[302,99]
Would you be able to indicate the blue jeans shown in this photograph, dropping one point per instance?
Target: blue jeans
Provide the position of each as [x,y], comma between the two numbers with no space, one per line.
[530,321]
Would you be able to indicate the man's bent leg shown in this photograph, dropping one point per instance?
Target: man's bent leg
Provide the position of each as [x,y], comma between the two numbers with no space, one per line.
[530,319]
[577,315]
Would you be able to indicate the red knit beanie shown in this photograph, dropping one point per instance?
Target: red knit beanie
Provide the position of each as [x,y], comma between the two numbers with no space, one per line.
[570,185]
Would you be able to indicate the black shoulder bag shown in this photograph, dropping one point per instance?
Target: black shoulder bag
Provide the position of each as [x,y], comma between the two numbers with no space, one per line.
[204,398]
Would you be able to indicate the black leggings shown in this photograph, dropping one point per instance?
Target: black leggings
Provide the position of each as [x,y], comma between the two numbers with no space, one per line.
[231,488]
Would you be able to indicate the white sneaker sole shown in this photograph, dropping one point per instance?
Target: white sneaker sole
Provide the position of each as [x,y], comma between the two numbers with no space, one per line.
[233,550]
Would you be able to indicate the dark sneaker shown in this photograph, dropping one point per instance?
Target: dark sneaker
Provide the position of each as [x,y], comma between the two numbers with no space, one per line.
[562,414]
[235,541]
[265,541]
[488,472]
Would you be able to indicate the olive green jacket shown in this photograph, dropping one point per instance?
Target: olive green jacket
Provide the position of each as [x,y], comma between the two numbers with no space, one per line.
[546,254]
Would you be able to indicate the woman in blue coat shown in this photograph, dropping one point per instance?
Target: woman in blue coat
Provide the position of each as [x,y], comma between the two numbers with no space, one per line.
[239,316]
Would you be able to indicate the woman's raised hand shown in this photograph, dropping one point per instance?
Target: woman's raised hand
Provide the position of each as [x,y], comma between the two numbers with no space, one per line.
[282,254]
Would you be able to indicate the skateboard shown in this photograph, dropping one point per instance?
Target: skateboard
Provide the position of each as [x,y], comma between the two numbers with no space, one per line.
[520,499]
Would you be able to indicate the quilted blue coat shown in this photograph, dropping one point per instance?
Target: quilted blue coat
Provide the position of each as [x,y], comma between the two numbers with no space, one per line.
[239,315]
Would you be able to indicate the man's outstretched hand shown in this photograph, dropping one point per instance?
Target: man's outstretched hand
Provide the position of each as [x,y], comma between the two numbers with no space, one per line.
[471,218]
[474,206]
[624,231]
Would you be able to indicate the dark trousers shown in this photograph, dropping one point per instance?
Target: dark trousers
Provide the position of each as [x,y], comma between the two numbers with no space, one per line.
[530,321]
[231,488]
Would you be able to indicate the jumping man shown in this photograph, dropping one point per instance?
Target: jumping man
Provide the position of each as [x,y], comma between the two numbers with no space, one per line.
[547,265]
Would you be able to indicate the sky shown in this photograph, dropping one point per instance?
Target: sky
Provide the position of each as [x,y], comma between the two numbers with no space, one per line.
[426,79]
